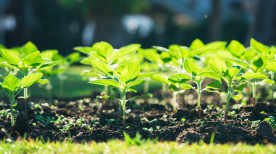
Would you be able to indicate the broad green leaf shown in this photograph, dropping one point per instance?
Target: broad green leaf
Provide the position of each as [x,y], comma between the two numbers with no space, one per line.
[48,64]
[165,57]
[104,97]
[87,61]
[236,48]
[28,48]
[106,82]
[126,50]
[259,61]
[212,75]
[206,69]
[238,62]
[136,82]
[143,96]
[181,76]
[196,44]
[191,67]
[159,48]
[32,59]
[101,67]
[237,97]
[29,80]
[103,49]
[10,57]
[160,78]
[173,87]
[258,46]
[186,86]
[184,52]
[251,75]
[269,81]
[233,71]
[271,66]
[73,57]
[85,50]
[217,65]
[11,83]
[130,72]
[145,75]
[43,81]
[240,87]
[215,85]
[150,54]
[49,54]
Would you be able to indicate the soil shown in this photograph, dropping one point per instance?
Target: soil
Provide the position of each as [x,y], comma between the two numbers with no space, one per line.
[90,119]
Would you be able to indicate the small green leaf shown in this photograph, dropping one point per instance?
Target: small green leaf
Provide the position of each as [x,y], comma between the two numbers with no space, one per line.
[186,86]
[181,76]
[217,65]
[258,62]
[126,50]
[258,46]
[73,57]
[85,50]
[32,59]
[106,82]
[143,96]
[269,81]
[10,57]
[29,80]
[236,48]
[103,49]
[105,97]
[160,78]
[233,71]
[238,62]
[101,67]
[212,75]
[136,82]
[150,54]
[130,72]
[271,66]
[237,97]
[145,75]
[240,87]
[251,75]
[196,44]
[43,81]
[11,83]
[29,48]
[191,67]
[215,85]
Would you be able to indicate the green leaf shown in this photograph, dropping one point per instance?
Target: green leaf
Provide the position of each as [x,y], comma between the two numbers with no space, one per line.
[258,62]
[28,48]
[160,78]
[145,75]
[11,83]
[29,80]
[49,54]
[106,82]
[143,96]
[258,46]
[238,62]
[269,81]
[126,50]
[48,64]
[102,67]
[150,54]
[85,50]
[196,44]
[240,87]
[237,97]
[191,67]
[136,82]
[73,57]
[212,75]
[10,57]
[130,72]
[33,59]
[186,86]
[271,66]
[159,48]
[251,75]
[103,49]
[232,71]
[43,81]
[236,48]
[215,85]
[181,76]
[217,65]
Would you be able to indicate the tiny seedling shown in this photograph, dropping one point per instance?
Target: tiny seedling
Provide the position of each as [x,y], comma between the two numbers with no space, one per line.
[12,87]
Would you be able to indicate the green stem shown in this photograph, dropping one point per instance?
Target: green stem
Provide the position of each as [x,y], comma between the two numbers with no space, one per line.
[174,101]
[25,93]
[198,94]
[106,90]
[123,99]
[11,105]
[163,93]
[146,87]
[272,86]
[228,101]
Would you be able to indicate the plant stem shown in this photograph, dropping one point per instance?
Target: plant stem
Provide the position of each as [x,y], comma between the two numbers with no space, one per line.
[123,101]
[228,101]
[272,86]
[25,100]
[174,101]
[11,106]
[198,98]
[163,93]
[254,93]
[146,87]
[106,90]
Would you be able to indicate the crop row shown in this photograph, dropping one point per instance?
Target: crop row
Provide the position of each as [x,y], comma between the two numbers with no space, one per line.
[231,67]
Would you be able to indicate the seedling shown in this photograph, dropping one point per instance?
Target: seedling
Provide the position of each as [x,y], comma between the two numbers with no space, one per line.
[122,79]
[12,87]
[230,75]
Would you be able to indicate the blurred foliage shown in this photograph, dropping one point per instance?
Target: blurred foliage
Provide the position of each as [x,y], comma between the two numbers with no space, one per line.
[106,7]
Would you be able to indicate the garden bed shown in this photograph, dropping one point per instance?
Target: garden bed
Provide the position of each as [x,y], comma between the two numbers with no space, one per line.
[90,120]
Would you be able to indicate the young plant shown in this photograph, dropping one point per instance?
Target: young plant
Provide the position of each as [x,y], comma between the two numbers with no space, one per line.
[230,75]
[123,78]
[194,73]
[12,87]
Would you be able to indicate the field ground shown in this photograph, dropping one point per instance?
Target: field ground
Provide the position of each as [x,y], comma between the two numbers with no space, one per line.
[115,146]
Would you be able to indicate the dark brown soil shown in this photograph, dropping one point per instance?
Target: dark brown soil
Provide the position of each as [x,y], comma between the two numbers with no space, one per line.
[89,120]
